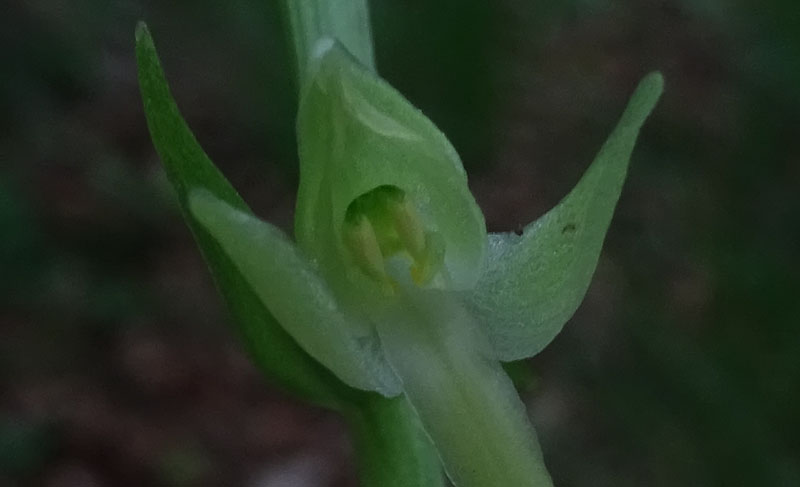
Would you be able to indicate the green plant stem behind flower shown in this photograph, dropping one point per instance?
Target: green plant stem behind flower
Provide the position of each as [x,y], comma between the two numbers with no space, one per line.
[347,21]
[392,449]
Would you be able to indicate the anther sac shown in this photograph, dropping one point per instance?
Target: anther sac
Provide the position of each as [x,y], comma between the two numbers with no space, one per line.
[383,223]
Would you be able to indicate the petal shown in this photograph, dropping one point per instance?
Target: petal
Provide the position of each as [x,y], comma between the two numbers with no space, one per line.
[466,402]
[287,285]
[356,133]
[188,166]
[534,282]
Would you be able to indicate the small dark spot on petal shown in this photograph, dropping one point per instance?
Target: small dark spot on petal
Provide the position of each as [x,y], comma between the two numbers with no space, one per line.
[569,227]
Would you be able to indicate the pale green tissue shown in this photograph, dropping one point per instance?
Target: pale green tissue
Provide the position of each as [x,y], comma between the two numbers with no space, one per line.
[533,283]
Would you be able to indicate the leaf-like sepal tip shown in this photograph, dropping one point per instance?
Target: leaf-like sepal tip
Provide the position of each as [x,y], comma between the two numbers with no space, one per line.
[534,282]
[142,33]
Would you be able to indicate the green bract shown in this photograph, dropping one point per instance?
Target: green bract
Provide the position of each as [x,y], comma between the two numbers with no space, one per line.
[390,285]
[187,167]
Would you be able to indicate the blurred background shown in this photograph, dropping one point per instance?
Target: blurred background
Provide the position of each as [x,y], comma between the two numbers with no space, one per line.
[118,364]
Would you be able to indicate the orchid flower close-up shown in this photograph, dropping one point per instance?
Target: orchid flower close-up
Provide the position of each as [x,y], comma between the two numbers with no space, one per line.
[391,290]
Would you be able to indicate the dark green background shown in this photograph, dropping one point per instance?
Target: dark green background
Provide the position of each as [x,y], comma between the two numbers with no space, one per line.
[118,367]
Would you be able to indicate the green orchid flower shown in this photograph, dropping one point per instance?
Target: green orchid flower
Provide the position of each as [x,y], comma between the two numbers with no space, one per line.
[392,284]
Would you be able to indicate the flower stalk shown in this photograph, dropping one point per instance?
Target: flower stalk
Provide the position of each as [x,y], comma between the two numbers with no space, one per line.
[347,21]
[392,448]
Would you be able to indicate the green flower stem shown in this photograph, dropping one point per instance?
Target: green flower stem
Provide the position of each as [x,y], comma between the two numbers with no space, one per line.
[344,20]
[392,449]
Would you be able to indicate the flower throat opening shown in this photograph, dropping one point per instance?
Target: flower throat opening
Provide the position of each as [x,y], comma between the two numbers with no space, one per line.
[382,223]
